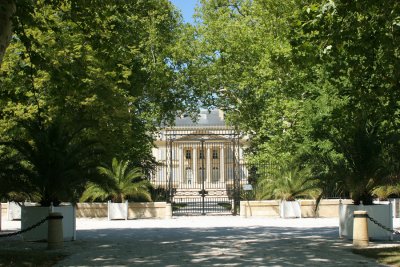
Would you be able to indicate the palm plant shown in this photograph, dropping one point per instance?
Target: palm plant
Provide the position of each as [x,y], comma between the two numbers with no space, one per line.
[53,162]
[120,184]
[385,191]
[287,182]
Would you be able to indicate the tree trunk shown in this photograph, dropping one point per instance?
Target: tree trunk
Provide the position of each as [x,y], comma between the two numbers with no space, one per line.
[7,9]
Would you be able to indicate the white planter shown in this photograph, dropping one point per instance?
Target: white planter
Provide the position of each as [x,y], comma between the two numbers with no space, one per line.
[117,211]
[14,211]
[381,213]
[395,205]
[290,209]
[33,214]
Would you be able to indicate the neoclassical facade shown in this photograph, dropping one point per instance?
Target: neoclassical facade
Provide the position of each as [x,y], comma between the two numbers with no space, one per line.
[200,160]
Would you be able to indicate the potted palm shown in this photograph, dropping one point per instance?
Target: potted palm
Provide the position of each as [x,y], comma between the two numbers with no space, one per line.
[54,163]
[287,183]
[121,184]
[367,164]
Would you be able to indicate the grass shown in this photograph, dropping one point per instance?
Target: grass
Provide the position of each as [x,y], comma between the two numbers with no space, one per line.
[389,256]
[31,258]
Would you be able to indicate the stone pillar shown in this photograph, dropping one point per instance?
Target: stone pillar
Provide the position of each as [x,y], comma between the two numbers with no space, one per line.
[222,164]
[208,164]
[55,237]
[181,166]
[360,229]
[195,168]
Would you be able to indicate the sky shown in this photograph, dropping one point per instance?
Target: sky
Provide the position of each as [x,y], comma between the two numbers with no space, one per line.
[187,9]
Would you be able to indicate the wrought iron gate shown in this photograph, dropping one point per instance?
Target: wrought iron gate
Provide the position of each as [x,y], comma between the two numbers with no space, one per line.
[203,171]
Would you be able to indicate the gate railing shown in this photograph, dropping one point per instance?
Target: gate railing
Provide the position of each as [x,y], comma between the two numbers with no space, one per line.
[201,164]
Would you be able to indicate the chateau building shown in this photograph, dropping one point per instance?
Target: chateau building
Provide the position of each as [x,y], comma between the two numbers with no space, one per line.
[201,163]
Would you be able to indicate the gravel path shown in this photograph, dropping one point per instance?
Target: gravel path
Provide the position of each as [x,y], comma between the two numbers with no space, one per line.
[208,241]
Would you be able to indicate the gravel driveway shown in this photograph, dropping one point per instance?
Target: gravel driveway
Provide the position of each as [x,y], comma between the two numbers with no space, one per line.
[210,241]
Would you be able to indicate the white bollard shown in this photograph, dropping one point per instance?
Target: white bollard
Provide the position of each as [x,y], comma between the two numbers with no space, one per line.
[55,236]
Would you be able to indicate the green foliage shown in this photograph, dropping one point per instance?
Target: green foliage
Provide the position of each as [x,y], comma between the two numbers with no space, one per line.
[358,131]
[286,182]
[97,62]
[312,82]
[51,162]
[383,192]
[99,65]
[121,183]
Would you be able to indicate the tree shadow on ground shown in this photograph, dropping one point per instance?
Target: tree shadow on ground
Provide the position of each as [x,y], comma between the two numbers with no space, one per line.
[220,246]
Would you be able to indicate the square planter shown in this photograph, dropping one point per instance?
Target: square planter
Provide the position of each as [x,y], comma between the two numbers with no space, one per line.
[381,213]
[13,211]
[33,214]
[117,211]
[290,209]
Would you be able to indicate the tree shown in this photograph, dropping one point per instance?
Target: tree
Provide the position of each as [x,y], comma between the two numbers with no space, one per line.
[122,183]
[98,63]
[7,9]
[312,83]
[354,44]
[51,163]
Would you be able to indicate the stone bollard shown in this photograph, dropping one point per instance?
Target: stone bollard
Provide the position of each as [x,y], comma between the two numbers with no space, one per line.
[168,211]
[360,229]
[55,236]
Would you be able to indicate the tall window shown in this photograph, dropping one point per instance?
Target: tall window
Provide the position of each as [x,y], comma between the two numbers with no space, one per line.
[215,154]
[201,154]
[188,154]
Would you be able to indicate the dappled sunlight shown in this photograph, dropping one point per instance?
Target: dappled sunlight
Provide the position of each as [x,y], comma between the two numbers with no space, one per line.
[217,246]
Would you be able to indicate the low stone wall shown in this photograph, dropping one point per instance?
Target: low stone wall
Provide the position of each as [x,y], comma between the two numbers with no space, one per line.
[261,208]
[327,208]
[91,210]
[135,210]
[147,210]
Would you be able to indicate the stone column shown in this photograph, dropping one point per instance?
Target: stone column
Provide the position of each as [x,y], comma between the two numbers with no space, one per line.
[181,166]
[208,165]
[195,169]
[222,164]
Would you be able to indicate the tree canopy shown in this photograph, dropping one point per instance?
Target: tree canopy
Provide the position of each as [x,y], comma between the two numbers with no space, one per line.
[314,83]
[98,64]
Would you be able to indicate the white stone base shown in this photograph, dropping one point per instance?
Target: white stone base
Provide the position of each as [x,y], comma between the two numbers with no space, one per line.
[381,213]
[33,214]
